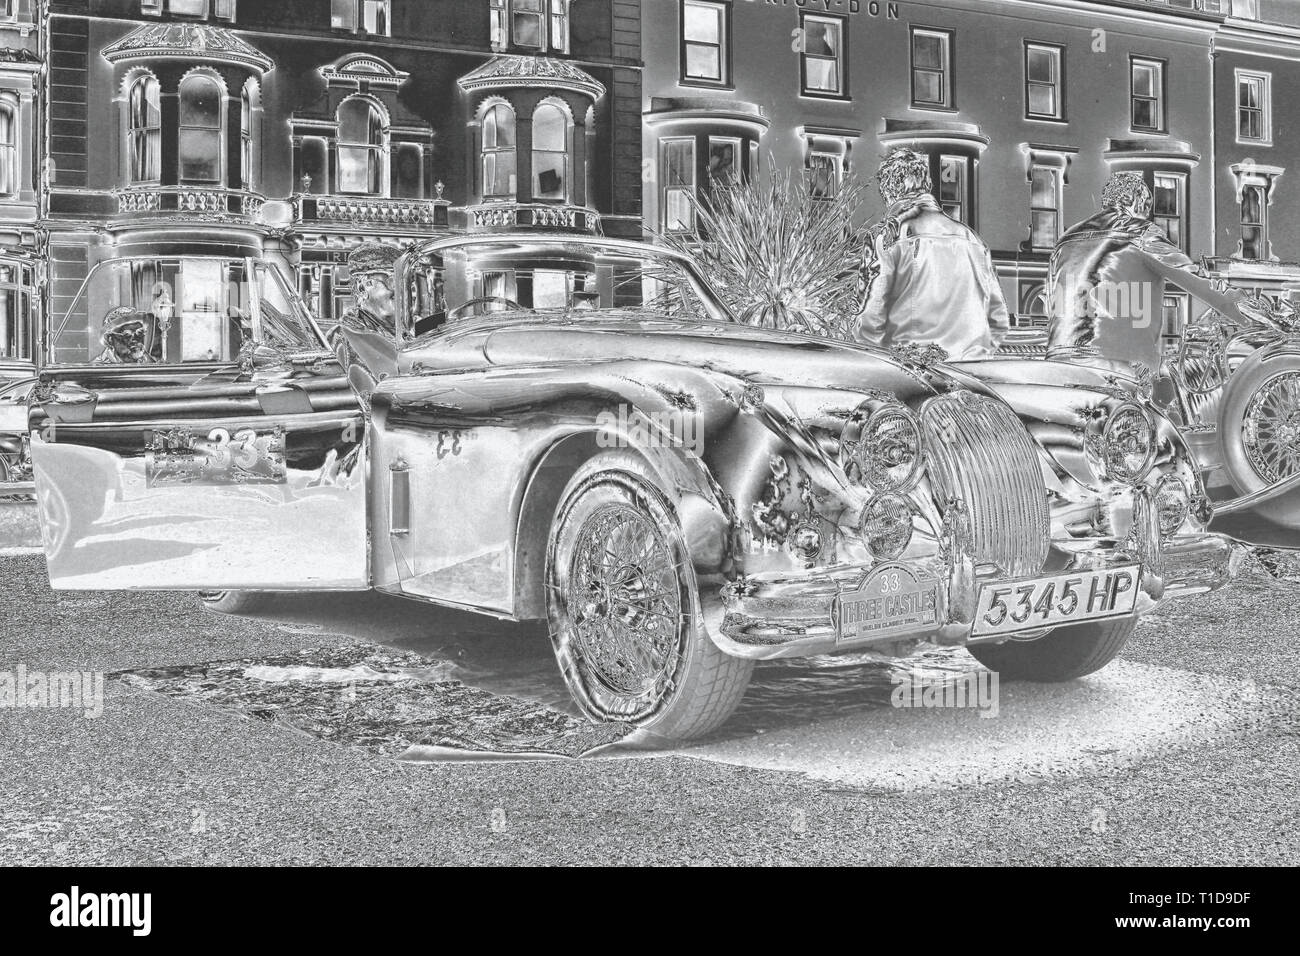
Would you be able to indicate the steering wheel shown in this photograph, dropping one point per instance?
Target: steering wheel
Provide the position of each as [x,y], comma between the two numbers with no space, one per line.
[459,311]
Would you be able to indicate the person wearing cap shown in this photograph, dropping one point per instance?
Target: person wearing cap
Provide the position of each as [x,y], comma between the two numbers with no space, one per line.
[125,338]
[365,340]
[371,268]
[1106,282]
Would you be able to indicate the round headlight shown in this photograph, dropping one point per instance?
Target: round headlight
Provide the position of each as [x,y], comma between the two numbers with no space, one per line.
[887,526]
[1173,505]
[882,448]
[1128,444]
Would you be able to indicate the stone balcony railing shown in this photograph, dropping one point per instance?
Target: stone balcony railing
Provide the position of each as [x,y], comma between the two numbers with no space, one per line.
[205,201]
[412,214]
[517,215]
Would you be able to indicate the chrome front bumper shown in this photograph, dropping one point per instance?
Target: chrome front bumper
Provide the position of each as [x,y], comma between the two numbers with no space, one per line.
[778,615]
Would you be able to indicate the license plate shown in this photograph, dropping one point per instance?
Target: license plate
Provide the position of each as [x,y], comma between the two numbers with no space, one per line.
[890,600]
[1061,599]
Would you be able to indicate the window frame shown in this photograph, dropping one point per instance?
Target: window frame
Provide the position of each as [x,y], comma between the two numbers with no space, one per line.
[566,152]
[484,151]
[723,46]
[1058,86]
[553,18]
[376,152]
[836,165]
[1182,180]
[9,151]
[134,134]
[219,180]
[966,203]
[355,20]
[665,187]
[1265,110]
[737,145]
[841,59]
[1161,99]
[1034,210]
[947,72]
[1263,244]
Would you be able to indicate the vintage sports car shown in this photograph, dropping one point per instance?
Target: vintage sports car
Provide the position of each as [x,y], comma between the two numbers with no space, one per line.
[1234,391]
[576,430]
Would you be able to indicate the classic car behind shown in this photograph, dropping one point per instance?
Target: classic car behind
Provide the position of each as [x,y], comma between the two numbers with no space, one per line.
[576,430]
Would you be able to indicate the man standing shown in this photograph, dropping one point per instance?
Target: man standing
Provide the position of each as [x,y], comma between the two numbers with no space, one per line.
[931,279]
[1106,283]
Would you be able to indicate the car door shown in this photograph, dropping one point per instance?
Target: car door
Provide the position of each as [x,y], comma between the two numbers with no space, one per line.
[189,429]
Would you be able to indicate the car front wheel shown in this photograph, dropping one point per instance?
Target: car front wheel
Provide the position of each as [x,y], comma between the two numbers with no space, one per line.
[1060,655]
[624,608]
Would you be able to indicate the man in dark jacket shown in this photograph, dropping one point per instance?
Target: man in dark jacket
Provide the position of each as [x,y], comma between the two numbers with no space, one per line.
[931,279]
[1106,283]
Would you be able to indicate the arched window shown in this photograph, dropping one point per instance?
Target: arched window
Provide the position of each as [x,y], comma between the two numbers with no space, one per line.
[8,151]
[361,149]
[200,129]
[144,131]
[499,153]
[249,103]
[550,152]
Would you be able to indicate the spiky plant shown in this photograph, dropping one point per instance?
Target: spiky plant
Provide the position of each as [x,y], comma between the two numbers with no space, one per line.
[779,257]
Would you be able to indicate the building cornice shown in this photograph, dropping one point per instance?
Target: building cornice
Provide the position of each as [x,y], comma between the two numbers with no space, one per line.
[186,41]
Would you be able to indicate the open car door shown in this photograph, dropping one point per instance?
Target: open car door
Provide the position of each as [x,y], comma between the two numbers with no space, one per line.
[190,429]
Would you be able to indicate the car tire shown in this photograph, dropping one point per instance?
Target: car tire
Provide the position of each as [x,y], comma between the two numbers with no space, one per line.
[624,609]
[1060,655]
[235,602]
[1263,387]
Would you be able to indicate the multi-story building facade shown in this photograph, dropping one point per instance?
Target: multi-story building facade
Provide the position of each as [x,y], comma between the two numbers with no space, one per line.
[298,130]
[1256,75]
[1025,108]
[20,178]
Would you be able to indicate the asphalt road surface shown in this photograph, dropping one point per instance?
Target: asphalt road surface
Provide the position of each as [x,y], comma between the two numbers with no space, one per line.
[318,733]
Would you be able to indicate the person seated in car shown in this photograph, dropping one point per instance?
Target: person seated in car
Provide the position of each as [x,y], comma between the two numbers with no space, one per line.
[125,338]
[371,267]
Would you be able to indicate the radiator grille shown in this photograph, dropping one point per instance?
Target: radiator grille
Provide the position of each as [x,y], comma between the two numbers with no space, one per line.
[978,450]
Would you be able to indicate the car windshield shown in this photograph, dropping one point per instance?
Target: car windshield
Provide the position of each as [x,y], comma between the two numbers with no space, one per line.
[15,394]
[553,277]
[180,310]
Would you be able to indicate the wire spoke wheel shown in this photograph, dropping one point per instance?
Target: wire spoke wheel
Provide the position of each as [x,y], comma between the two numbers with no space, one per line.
[625,610]
[624,594]
[1270,430]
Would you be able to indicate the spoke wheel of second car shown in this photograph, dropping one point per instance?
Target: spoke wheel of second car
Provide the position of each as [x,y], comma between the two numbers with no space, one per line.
[1259,430]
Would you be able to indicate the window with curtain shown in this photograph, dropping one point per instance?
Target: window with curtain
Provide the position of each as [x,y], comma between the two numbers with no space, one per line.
[200,130]
[499,153]
[247,135]
[550,152]
[1254,226]
[8,151]
[1169,206]
[144,130]
[677,158]
[361,149]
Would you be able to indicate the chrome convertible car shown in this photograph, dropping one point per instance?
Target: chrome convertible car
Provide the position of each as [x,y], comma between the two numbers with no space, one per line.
[577,430]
